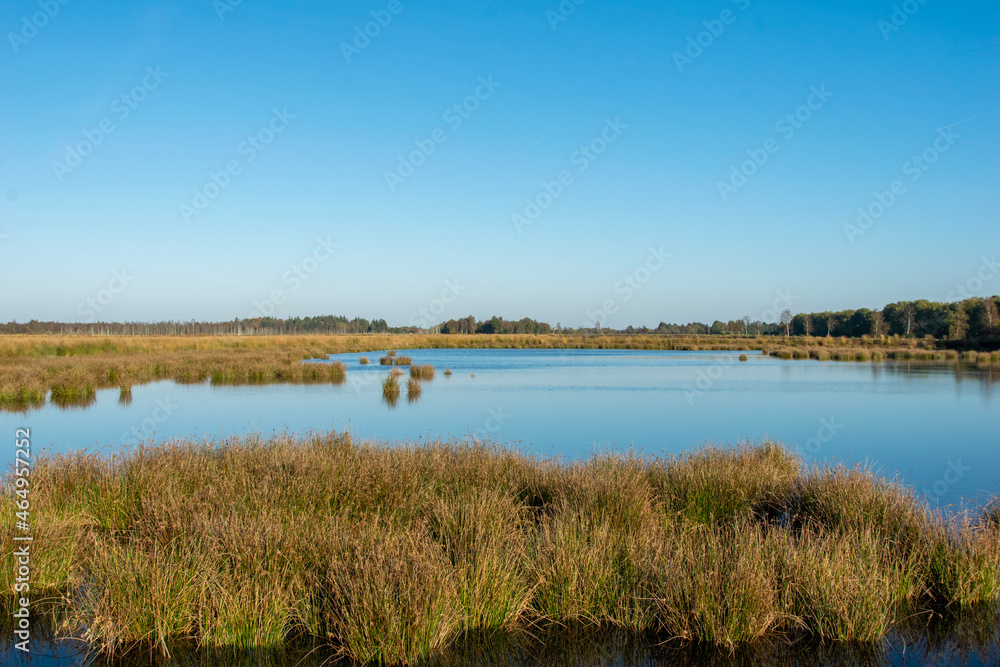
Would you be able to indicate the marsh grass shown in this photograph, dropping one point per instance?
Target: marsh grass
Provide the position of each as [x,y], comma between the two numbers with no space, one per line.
[743,357]
[363,361]
[390,386]
[389,554]
[338,372]
[447,372]
[991,516]
[413,389]
[403,361]
[422,372]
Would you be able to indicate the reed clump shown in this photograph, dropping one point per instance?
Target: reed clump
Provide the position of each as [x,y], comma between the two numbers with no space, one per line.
[388,554]
[422,372]
[403,361]
[413,388]
[363,361]
[390,386]
[338,372]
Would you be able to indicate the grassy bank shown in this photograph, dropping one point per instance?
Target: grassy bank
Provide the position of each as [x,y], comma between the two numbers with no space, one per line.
[388,554]
[69,370]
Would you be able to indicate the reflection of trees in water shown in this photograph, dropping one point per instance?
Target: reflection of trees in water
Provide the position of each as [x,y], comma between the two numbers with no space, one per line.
[972,637]
[964,374]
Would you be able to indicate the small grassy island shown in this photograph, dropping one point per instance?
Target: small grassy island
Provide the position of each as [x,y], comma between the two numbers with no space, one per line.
[389,554]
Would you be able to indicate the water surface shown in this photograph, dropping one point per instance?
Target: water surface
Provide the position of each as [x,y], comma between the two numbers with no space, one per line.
[934,425]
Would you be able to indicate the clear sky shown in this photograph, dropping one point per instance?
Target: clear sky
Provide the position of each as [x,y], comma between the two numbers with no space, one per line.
[194,159]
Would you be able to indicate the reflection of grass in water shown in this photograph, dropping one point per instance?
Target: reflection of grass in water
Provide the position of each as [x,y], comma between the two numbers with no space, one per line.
[32,366]
[392,553]
[125,395]
[21,398]
[73,396]
[952,639]
[413,389]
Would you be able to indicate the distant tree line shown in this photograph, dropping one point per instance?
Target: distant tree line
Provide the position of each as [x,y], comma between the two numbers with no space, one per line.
[494,325]
[324,324]
[974,318]
[970,318]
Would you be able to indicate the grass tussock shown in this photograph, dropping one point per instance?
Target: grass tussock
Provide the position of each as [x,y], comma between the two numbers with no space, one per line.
[390,386]
[422,372]
[388,554]
[413,389]
[363,361]
[338,372]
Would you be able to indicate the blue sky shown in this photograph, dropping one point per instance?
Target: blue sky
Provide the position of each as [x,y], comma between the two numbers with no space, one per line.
[642,109]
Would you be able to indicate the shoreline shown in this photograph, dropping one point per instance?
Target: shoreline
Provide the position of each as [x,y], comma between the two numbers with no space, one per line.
[69,370]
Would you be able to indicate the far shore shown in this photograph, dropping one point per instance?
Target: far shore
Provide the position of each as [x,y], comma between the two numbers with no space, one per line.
[68,370]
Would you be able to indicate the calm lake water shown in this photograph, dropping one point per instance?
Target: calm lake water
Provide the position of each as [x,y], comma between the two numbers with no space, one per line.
[932,425]
[966,644]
